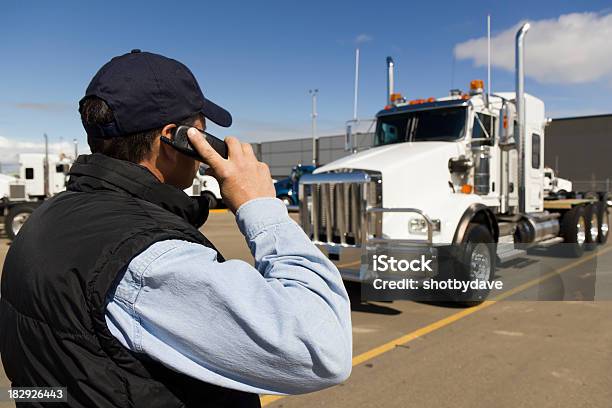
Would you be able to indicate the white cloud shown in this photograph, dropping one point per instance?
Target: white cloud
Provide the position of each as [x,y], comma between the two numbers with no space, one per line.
[574,48]
[10,148]
[363,38]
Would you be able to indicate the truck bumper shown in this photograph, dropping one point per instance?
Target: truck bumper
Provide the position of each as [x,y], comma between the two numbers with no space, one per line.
[357,263]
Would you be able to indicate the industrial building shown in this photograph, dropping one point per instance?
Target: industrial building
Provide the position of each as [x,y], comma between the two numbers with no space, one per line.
[579,149]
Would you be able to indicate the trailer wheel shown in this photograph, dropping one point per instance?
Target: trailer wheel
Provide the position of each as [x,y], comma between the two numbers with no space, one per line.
[574,232]
[16,217]
[604,221]
[476,262]
[593,220]
[212,200]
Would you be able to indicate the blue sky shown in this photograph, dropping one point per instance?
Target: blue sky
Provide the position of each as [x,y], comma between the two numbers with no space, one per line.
[258,59]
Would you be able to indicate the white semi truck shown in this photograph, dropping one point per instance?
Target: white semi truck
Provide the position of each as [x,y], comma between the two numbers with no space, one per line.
[555,186]
[40,176]
[206,186]
[465,169]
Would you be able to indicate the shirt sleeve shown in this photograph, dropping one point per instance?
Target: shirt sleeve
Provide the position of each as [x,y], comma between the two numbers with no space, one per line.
[283,327]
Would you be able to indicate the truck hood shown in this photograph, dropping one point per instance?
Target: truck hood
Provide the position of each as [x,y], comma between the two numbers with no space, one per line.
[415,158]
[414,175]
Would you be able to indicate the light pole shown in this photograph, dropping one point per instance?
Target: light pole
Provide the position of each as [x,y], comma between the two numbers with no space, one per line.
[46,166]
[313,93]
[356,95]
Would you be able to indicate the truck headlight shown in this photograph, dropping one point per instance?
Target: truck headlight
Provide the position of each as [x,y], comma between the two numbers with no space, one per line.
[418,225]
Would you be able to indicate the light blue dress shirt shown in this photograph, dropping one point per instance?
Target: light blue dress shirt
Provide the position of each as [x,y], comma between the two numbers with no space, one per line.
[283,327]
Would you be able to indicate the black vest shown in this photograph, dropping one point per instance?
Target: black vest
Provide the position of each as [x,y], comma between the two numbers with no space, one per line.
[60,270]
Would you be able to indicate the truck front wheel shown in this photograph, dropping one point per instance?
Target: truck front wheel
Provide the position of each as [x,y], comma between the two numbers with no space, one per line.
[475,263]
[16,217]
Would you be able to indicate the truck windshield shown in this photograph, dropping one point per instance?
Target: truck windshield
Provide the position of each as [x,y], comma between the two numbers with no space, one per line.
[445,124]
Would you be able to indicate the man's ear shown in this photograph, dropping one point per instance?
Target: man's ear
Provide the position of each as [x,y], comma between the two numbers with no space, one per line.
[165,150]
[167,130]
[167,153]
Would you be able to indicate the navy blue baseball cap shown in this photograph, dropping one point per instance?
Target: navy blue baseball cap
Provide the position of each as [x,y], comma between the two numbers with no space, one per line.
[147,91]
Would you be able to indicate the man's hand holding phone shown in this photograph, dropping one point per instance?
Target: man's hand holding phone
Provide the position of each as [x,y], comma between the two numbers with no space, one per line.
[241,176]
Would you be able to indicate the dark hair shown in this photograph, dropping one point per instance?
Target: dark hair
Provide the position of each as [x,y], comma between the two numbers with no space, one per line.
[134,147]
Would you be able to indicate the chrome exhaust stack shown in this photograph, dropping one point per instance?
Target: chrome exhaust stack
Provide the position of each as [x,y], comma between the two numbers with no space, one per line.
[390,79]
[520,109]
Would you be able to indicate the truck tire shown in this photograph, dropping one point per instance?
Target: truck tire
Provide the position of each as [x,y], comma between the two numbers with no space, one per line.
[16,217]
[212,200]
[593,220]
[574,231]
[604,221]
[285,199]
[476,261]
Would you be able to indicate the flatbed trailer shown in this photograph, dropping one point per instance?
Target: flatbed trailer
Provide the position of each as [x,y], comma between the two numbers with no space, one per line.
[567,203]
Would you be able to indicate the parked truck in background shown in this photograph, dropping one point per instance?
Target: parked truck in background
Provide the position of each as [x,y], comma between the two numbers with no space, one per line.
[206,186]
[40,177]
[467,168]
[555,186]
[287,188]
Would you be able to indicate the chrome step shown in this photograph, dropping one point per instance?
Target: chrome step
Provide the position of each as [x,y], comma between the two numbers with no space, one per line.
[509,255]
[507,252]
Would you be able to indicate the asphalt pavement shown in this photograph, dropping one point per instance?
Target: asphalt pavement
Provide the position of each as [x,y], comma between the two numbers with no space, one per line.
[511,351]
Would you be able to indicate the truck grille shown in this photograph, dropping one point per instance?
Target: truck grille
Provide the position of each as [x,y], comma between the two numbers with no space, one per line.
[17,192]
[333,206]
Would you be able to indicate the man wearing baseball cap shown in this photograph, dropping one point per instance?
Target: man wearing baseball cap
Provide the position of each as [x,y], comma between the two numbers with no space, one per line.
[111,290]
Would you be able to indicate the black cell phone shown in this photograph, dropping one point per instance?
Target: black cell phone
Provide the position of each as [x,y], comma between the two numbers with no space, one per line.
[181,142]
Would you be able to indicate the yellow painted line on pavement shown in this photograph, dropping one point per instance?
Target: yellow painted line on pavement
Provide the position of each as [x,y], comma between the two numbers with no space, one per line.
[220,210]
[377,351]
